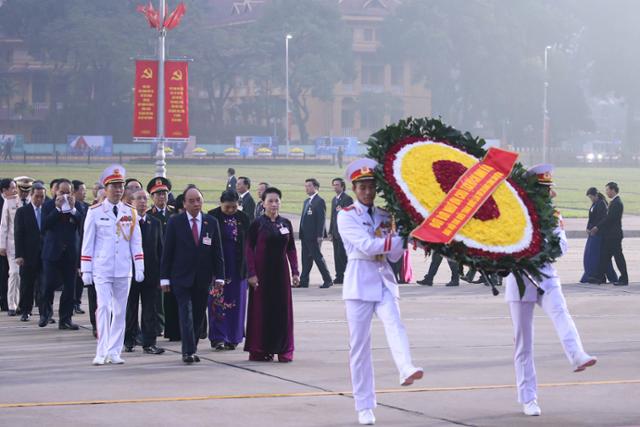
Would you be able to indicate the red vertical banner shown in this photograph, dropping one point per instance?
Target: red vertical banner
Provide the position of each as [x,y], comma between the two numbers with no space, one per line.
[145,98]
[176,100]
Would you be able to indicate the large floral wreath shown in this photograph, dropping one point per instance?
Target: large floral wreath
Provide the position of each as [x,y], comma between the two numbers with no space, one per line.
[422,159]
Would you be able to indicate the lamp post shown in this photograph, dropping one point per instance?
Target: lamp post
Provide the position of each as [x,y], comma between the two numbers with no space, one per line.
[545,109]
[161,164]
[286,72]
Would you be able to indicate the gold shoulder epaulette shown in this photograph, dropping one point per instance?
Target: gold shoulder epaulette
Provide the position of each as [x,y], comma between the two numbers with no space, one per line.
[94,206]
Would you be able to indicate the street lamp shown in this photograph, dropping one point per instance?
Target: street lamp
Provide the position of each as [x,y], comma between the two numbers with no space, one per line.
[286,72]
[545,109]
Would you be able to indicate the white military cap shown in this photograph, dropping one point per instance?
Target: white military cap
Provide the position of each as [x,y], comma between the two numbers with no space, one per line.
[360,170]
[543,172]
[113,174]
[24,182]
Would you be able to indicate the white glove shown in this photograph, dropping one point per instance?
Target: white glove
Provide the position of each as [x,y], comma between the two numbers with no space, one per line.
[87,278]
[139,276]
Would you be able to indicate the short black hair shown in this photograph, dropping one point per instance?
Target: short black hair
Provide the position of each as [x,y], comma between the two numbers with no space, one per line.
[63,180]
[189,187]
[231,171]
[37,186]
[266,184]
[270,190]
[340,180]
[246,180]
[77,184]
[179,202]
[53,182]
[130,180]
[313,181]
[229,196]
[614,186]
[5,183]
[592,191]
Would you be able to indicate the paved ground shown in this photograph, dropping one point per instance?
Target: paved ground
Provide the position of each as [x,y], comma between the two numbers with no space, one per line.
[461,336]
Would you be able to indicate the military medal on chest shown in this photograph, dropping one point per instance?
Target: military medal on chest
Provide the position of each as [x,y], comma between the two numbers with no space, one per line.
[124,227]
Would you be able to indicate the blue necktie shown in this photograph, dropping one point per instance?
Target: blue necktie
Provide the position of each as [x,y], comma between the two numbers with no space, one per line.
[306,207]
[38,219]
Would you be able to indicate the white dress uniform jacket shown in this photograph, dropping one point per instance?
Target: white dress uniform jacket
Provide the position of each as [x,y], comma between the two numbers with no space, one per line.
[368,244]
[110,244]
[550,279]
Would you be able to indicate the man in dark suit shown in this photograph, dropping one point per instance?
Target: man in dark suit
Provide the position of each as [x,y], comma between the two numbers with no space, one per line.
[610,228]
[341,200]
[312,232]
[246,203]
[192,260]
[259,211]
[60,253]
[159,188]
[80,193]
[151,229]
[28,238]
[231,179]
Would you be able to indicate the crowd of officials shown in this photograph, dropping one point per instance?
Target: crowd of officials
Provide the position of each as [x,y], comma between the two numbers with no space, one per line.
[155,265]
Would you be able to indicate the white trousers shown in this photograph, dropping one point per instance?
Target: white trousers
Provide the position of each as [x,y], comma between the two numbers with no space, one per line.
[554,304]
[112,294]
[359,316]
[13,284]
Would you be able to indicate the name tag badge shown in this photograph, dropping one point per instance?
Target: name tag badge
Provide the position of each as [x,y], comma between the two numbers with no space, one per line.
[206,241]
[284,230]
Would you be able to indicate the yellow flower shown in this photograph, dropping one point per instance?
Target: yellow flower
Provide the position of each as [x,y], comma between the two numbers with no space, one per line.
[413,170]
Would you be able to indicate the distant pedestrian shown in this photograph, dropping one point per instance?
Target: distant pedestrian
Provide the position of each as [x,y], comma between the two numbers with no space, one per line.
[610,227]
[231,179]
[593,247]
[312,232]
[245,202]
[340,201]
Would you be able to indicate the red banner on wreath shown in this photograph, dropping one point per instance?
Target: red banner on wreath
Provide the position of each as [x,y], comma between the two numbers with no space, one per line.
[467,196]
[176,99]
[145,99]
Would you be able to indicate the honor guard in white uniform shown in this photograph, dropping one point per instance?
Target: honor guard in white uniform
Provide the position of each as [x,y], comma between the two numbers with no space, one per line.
[112,242]
[370,287]
[554,305]
[7,242]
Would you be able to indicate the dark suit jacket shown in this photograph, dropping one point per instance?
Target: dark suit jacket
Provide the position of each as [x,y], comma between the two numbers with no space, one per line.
[28,237]
[164,218]
[183,263]
[152,240]
[597,213]
[611,225]
[248,206]
[60,232]
[313,226]
[336,206]
[243,228]
[231,183]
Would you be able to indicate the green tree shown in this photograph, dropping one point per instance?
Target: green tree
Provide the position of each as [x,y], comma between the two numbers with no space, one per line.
[319,52]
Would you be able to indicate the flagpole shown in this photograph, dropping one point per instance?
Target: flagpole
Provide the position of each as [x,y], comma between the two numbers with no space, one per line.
[161,164]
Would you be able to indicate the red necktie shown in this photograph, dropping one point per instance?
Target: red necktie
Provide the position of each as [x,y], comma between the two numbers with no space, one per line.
[194,231]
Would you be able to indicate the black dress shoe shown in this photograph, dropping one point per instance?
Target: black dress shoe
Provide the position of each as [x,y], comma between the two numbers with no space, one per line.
[152,349]
[452,283]
[595,281]
[338,282]
[68,326]
[326,285]
[129,349]
[229,346]
[621,283]
[12,313]
[24,317]
[425,282]
[51,321]
[188,359]
[43,322]
[195,358]
[78,310]
[217,345]
[306,285]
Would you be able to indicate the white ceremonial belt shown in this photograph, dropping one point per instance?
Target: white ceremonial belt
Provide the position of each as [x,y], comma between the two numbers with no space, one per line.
[362,257]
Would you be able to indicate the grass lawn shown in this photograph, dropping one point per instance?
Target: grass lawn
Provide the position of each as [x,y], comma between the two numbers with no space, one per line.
[572,183]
